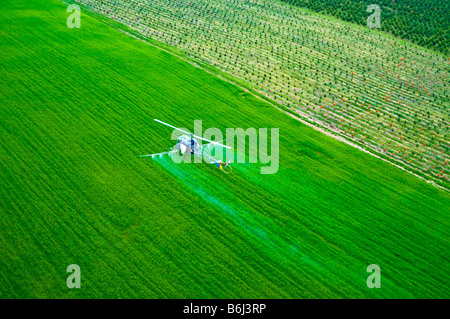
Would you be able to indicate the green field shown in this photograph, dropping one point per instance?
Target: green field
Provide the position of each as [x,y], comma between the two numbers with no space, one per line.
[425,22]
[77,108]
[384,94]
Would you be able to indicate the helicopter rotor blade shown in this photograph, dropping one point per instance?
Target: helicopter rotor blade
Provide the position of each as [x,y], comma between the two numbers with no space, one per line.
[215,143]
[192,134]
[172,126]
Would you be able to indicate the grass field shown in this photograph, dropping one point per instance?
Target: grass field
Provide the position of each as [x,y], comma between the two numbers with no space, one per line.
[77,108]
[386,95]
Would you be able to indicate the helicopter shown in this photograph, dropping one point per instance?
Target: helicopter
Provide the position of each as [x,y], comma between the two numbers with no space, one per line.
[188,145]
